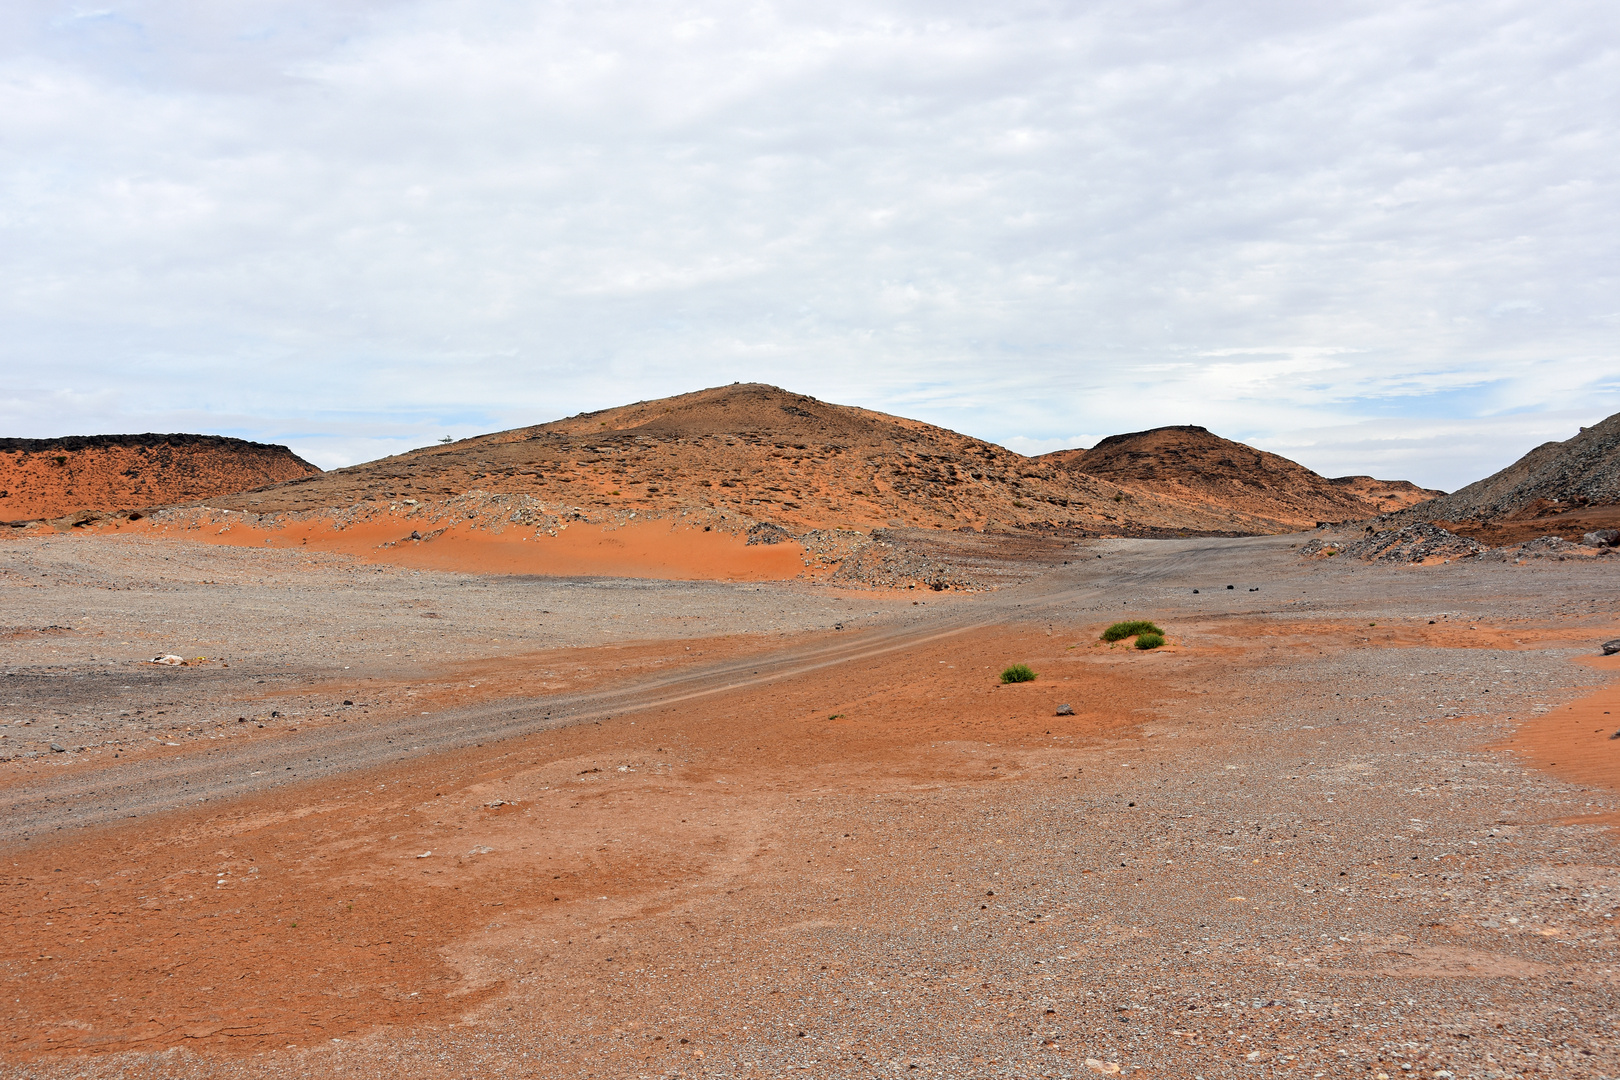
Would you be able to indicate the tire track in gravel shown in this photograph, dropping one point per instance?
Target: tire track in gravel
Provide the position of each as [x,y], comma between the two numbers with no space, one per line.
[35,810]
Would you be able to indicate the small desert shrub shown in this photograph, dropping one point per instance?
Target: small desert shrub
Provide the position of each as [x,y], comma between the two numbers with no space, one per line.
[1149,640]
[1018,673]
[1122,630]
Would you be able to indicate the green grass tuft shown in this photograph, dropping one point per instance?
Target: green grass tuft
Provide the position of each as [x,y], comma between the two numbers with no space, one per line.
[1122,630]
[1018,673]
[1149,640]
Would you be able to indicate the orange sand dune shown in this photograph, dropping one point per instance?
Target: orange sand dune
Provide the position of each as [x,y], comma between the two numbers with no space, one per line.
[651,549]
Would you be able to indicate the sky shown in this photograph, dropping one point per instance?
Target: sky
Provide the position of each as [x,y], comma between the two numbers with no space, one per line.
[1374,237]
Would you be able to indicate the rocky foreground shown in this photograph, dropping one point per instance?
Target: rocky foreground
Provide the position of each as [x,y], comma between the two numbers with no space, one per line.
[1354,819]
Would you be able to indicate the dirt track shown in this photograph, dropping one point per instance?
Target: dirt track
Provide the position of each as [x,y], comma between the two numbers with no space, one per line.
[1282,846]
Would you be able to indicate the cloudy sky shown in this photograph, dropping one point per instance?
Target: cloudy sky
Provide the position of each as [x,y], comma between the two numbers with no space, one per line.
[1374,237]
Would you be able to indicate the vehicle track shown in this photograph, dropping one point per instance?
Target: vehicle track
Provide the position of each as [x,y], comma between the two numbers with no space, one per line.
[36,809]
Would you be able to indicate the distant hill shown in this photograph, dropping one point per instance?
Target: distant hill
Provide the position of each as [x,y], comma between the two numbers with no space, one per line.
[1192,465]
[50,478]
[802,464]
[1560,488]
[779,457]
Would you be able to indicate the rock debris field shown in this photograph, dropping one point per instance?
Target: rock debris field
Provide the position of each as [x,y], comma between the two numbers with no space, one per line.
[1354,819]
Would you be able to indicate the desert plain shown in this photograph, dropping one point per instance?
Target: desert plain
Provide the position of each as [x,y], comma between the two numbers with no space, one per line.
[1354,819]
[672,741]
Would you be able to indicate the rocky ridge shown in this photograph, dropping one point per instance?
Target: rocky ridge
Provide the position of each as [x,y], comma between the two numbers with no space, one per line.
[52,478]
[1566,489]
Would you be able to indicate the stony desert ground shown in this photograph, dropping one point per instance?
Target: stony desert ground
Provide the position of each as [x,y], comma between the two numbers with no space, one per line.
[1354,820]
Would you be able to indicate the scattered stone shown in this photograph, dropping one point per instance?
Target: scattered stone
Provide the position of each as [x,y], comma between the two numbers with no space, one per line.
[1602,538]
[1611,646]
[1409,544]
[1065,710]
[168,660]
[766,533]
[1539,548]
[55,749]
[919,559]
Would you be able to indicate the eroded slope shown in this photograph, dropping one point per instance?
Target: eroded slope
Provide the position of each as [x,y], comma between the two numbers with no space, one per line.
[49,478]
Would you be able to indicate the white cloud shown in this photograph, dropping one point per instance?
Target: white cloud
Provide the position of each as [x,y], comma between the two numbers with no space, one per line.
[360,222]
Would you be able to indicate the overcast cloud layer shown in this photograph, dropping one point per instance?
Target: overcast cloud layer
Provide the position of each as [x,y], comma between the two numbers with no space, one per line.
[1373,237]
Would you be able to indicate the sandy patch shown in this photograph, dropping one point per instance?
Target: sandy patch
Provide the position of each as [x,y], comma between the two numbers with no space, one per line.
[1575,741]
[666,550]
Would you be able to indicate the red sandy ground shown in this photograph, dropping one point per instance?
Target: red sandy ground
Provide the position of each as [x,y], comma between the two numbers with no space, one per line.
[654,549]
[310,911]
[1574,741]
[326,910]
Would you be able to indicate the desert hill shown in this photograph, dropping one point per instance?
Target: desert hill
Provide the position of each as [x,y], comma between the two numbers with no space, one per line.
[1190,464]
[792,461]
[759,451]
[1560,488]
[50,478]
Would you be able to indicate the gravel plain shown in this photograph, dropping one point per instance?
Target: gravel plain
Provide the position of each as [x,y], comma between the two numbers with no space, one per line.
[1295,842]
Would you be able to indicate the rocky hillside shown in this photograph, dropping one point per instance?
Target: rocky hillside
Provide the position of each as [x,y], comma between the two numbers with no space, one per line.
[50,478]
[767,454]
[1559,488]
[1216,475]
[788,460]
